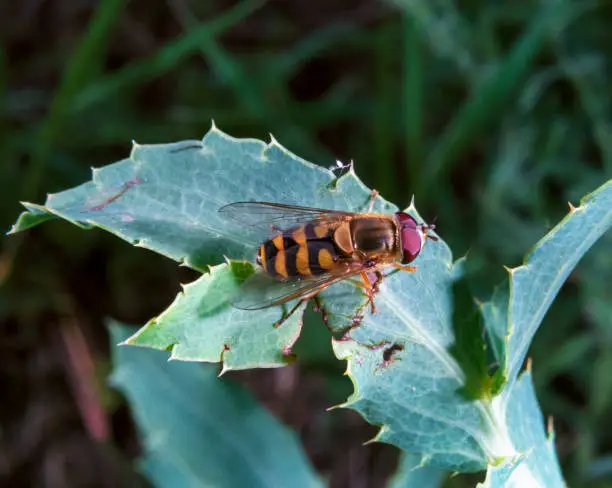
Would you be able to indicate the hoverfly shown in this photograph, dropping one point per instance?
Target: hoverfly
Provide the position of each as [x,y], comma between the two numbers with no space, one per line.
[308,249]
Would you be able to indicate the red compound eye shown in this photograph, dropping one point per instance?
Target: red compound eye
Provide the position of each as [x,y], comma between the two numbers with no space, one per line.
[411,237]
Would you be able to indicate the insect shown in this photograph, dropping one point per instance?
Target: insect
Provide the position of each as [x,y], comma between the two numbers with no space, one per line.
[308,249]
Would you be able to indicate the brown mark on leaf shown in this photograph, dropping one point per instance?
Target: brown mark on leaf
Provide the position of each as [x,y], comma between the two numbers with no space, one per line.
[126,186]
[357,318]
[288,356]
[388,354]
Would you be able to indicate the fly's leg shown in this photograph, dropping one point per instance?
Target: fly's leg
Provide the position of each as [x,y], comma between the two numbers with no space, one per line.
[401,267]
[282,320]
[373,195]
[369,289]
[302,300]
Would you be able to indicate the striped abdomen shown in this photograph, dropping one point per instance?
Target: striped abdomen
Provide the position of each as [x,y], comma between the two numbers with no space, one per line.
[300,252]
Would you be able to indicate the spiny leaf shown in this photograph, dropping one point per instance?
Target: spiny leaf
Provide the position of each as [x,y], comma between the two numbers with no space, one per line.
[166,197]
[513,318]
[407,381]
[201,325]
[536,466]
[406,378]
[199,431]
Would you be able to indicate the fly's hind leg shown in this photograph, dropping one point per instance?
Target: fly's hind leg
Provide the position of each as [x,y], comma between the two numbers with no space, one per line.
[282,320]
[370,288]
[302,300]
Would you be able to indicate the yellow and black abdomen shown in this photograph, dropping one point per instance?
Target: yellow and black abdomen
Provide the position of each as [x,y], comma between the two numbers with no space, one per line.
[299,253]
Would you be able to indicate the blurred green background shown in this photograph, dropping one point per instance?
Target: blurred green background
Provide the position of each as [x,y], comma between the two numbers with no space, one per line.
[493,114]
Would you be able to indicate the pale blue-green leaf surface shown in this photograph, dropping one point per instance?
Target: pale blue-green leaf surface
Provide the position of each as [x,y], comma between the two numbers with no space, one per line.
[201,325]
[166,197]
[512,318]
[536,464]
[407,381]
[199,430]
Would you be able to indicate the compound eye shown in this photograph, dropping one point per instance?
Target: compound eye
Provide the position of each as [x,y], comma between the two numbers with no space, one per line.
[412,243]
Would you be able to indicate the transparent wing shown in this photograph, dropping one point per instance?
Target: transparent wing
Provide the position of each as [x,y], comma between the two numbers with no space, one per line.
[268,216]
[262,291]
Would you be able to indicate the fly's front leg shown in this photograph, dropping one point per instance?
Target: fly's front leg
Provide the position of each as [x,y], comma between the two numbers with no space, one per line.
[401,267]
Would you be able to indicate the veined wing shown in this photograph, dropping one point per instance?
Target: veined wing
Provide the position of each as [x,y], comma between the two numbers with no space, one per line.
[262,291]
[268,216]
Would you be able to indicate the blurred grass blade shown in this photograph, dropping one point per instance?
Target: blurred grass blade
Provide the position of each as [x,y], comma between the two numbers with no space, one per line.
[386,109]
[489,97]
[413,100]
[245,87]
[82,67]
[166,59]
[447,32]
[198,430]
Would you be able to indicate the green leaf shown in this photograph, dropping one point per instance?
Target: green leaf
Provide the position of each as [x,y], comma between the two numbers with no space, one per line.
[35,215]
[166,197]
[410,474]
[536,466]
[201,325]
[407,380]
[198,430]
[512,318]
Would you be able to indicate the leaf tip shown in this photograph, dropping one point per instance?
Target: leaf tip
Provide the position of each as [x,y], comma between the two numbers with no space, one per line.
[224,369]
[213,126]
[378,437]
[510,270]
[273,141]
[347,404]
